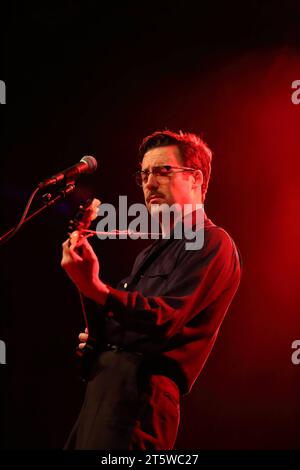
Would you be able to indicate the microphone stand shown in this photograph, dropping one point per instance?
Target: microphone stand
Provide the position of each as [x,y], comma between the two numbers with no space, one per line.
[49,200]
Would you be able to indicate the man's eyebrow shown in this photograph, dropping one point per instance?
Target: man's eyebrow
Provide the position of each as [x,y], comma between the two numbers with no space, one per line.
[157,164]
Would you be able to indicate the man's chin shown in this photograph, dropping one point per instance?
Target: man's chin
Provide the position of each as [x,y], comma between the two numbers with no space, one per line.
[158,207]
[153,208]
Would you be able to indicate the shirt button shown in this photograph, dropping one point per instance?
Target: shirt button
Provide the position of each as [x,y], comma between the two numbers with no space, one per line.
[125,285]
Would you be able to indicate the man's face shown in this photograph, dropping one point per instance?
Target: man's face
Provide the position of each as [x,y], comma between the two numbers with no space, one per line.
[177,188]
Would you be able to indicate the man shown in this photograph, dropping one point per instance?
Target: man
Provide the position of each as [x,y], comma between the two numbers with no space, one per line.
[159,326]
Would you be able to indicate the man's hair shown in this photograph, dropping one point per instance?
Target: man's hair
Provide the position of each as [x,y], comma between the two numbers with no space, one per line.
[193,150]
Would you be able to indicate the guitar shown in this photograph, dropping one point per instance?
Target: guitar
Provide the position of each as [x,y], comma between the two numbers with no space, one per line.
[78,231]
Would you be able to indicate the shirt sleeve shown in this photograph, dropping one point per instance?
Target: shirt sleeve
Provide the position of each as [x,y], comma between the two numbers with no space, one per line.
[198,280]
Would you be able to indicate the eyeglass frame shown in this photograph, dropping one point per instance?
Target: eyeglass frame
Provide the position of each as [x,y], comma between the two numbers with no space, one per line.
[138,173]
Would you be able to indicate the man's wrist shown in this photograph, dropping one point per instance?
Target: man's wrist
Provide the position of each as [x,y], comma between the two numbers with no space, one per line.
[99,292]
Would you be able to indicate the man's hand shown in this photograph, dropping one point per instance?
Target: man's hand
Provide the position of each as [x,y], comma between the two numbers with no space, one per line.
[83,270]
[83,338]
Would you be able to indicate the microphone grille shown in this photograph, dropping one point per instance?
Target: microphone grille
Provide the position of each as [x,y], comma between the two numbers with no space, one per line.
[91,163]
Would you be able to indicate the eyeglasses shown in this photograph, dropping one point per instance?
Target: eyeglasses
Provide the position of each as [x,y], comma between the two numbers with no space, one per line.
[160,172]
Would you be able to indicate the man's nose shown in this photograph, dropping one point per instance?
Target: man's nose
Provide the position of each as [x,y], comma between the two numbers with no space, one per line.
[152,181]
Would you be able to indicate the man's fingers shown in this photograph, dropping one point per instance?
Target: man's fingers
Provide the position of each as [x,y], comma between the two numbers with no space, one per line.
[69,254]
[83,339]
[86,245]
[88,250]
[83,336]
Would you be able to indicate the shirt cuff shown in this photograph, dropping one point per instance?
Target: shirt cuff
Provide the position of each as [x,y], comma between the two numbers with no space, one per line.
[116,301]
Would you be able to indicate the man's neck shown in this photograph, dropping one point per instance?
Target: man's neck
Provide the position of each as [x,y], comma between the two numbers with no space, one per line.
[167,224]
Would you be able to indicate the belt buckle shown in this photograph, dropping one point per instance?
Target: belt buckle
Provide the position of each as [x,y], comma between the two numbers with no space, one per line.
[113,347]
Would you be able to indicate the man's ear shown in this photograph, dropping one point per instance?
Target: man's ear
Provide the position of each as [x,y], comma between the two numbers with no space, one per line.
[198,178]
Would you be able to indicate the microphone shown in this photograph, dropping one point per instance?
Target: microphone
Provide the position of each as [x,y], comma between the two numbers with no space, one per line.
[86,165]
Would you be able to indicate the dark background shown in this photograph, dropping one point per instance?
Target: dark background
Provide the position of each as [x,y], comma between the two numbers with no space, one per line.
[84,78]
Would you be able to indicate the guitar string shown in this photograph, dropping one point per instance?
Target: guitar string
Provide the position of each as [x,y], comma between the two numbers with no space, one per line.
[90,233]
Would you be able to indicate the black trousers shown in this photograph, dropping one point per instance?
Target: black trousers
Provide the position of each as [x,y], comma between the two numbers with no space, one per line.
[126,407]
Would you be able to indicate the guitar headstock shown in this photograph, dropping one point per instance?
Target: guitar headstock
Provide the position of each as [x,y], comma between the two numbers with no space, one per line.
[87,212]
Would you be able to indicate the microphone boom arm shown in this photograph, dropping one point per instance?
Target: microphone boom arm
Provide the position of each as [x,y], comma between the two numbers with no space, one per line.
[50,200]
